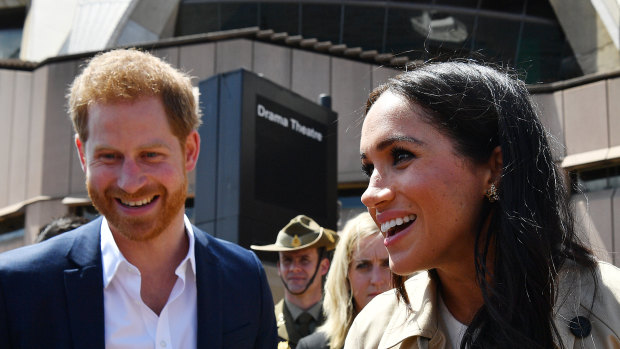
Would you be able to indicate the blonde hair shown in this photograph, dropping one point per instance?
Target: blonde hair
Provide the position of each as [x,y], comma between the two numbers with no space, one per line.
[338,303]
[126,75]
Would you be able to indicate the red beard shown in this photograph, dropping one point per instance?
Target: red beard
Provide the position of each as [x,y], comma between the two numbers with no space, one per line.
[139,228]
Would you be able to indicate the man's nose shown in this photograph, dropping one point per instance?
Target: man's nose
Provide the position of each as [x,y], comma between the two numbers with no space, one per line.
[295,266]
[131,178]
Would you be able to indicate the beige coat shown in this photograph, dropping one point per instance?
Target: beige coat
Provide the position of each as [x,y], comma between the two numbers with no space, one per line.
[384,322]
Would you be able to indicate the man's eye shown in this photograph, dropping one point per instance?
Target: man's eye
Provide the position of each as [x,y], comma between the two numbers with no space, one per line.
[108,156]
[151,155]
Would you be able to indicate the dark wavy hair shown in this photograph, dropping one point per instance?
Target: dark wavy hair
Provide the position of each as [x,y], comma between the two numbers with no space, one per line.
[532,230]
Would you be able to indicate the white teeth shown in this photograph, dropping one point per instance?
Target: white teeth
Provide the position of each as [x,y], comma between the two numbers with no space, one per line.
[138,203]
[398,221]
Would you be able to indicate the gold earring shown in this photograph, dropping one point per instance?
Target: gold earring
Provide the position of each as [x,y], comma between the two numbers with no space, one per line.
[492,194]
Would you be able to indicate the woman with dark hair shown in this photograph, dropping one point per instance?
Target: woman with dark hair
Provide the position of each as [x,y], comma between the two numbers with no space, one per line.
[462,184]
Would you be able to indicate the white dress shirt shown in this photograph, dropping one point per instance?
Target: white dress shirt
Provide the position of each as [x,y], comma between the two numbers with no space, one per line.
[129,323]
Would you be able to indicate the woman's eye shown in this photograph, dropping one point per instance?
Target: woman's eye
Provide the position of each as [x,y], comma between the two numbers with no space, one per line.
[367,169]
[362,265]
[400,155]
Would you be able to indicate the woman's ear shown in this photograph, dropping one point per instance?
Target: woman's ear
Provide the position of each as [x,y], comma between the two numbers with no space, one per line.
[496,165]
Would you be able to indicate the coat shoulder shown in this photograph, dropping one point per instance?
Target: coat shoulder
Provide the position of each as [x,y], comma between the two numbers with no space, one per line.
[386,315]
[370,324]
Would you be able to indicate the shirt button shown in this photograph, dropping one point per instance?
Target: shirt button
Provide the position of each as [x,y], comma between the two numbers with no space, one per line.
[162,344]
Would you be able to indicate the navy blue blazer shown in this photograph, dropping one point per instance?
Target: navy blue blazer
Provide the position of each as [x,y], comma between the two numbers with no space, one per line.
[51,294]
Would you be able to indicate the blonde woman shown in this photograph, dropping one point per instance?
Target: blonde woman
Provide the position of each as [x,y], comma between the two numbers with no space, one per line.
[359,272]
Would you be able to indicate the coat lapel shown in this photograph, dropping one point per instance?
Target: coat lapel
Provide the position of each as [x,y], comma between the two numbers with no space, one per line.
[209,291]
[84,288]
[422,324]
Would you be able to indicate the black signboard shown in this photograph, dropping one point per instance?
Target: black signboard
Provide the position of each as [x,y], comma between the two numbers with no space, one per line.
[267,155]
[290,152]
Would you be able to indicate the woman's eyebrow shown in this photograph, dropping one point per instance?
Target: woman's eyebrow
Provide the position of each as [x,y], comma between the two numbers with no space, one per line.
[394,139]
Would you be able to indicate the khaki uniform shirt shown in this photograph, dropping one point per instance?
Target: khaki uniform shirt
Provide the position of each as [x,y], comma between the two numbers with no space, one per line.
[285,320]
[384,322]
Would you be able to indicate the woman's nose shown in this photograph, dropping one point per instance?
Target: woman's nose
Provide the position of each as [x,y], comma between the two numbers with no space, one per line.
[377,192]
[379,276]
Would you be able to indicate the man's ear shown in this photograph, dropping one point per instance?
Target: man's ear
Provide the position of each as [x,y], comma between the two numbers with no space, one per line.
[192,149]
[324,266]
[81,152]
[278,267]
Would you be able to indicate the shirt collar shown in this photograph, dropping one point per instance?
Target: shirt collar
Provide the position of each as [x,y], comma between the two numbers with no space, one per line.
[314,311]
[112,257]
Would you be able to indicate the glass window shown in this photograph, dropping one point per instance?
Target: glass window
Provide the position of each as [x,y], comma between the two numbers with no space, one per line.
[89,212]
[10,43]
[545,54]
[321,22]
[238,15]
[196,18]
[424,34]
[12,227]
[512,6]
[349,205]
[416,1]
[402,37]
[363,26]
[497,45]
[540,9]
[589,180]
[594,180]
[614,177]
[281,17]
[11,28]
[458,3]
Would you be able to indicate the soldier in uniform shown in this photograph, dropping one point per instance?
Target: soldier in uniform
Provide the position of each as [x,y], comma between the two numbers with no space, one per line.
[302,247]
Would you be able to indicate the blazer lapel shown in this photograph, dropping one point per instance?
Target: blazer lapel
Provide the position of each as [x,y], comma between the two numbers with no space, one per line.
[84,289]
[209,290]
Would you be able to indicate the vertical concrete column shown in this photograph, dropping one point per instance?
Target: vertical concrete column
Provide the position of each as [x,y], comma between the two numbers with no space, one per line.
[593,46]
[351,84]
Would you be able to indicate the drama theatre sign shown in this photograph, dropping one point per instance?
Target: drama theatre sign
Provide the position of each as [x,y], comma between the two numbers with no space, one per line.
[283,121]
